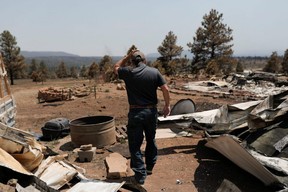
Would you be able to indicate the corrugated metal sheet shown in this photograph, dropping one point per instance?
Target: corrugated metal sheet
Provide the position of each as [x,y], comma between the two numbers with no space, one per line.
[237,154]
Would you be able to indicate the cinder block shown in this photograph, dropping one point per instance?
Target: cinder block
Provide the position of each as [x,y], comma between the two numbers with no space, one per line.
[87,155]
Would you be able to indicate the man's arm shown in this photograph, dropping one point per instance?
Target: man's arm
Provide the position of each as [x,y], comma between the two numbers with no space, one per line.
[120,63]
[123,61]
[166,95]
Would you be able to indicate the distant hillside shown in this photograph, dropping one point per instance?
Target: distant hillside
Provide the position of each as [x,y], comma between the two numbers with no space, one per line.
[47,54]
[40,54]
[54,61]
[186,53]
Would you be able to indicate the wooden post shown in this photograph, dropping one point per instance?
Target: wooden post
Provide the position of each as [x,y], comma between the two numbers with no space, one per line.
[95,91]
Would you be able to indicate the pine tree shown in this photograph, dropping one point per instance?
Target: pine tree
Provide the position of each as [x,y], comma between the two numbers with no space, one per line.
[169,49]
[158,65]
[239,67]
[132,48]
[73,72]
[35,76]
[93,70]
[105,63]
[284,62]
[211,43]
[43,71]
[20,67]
[14,62]
[33,67]
[83,71]
[274,63]
[62,70]
[38,72]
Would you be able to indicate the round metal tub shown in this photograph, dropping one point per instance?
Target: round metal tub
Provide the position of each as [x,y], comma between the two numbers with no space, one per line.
[96,130]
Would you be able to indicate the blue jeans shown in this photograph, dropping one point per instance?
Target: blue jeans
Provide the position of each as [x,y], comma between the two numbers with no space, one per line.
[141,121]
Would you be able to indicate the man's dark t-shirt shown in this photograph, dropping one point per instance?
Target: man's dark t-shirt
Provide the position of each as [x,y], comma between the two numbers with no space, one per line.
[141,84]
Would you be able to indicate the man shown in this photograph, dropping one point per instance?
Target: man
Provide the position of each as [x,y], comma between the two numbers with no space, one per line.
[142,83]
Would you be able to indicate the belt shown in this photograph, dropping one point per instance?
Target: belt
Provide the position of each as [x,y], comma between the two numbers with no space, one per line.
[142,106]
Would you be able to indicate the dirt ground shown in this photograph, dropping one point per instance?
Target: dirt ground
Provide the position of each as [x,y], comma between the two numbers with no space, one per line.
[184,163]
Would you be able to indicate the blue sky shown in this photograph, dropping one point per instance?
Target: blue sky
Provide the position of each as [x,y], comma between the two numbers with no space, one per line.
[110,27]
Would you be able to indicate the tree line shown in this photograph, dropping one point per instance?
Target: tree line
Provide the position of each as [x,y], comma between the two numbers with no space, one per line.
[211,47]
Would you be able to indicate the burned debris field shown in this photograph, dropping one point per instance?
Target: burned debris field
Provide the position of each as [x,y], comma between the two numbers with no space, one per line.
[216,144]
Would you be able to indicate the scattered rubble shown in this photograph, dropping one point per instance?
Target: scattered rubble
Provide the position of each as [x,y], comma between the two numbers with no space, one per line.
[23,155]
[249,86]
[252,134]
[50,94]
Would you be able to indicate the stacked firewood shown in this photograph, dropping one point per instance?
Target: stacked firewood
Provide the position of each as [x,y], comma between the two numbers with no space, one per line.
[50,94]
